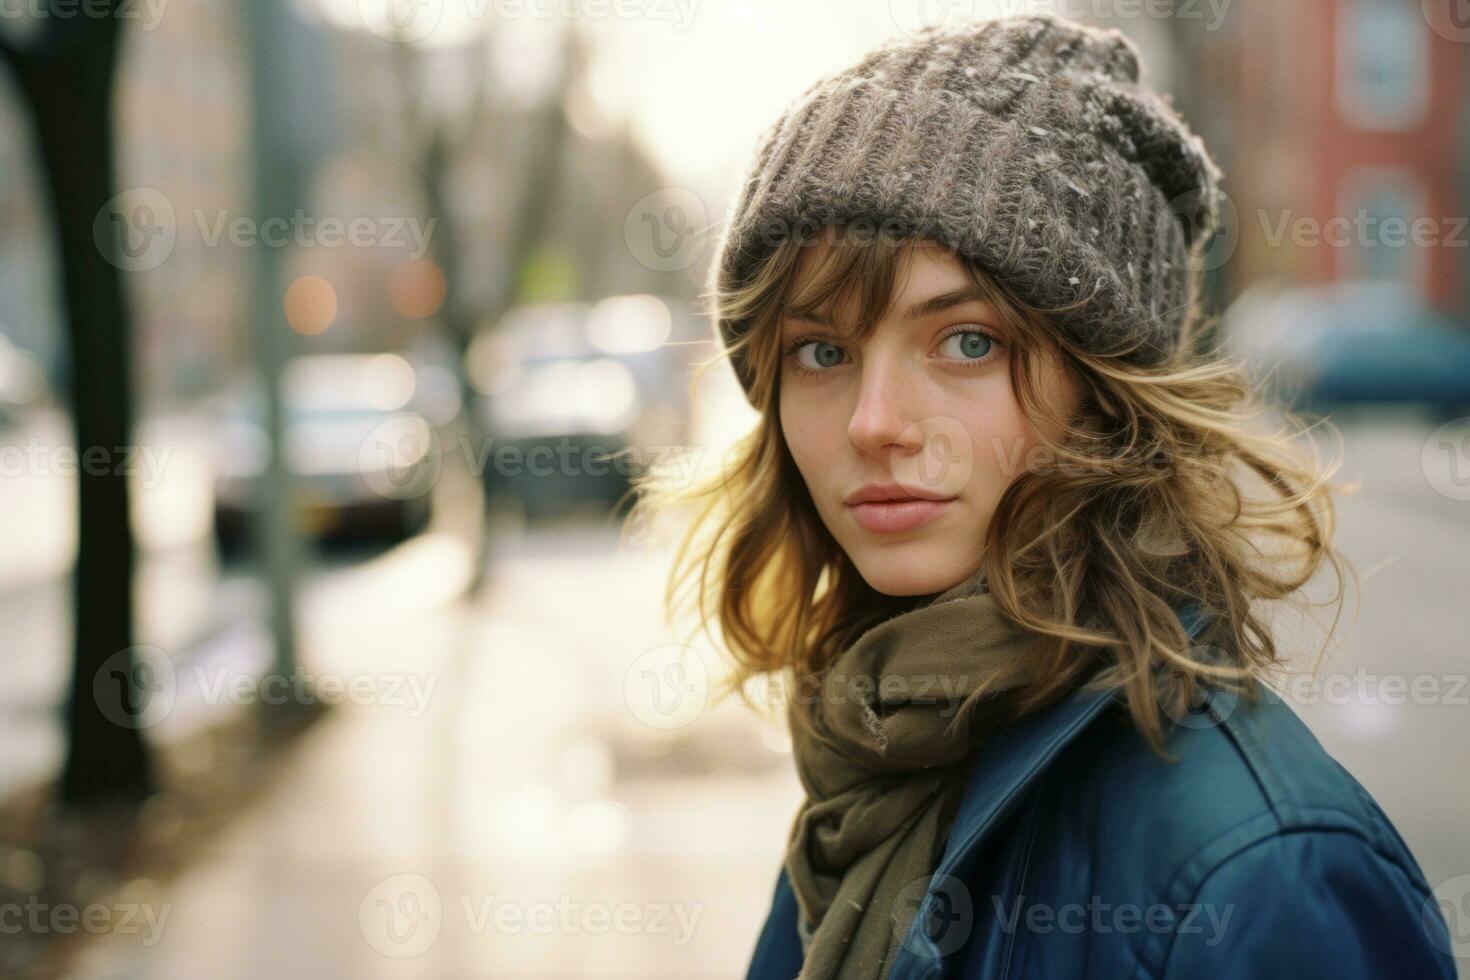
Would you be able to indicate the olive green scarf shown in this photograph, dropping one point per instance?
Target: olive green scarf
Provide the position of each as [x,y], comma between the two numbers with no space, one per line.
[881,741]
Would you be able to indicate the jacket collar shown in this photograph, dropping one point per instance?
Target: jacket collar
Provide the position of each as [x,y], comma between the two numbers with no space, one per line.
[1015,757]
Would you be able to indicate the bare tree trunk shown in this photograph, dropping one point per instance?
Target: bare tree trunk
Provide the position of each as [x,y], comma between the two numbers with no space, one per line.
[66,77]
[438,146]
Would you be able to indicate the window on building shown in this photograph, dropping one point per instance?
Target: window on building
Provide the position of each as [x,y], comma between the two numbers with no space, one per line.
[1383,64]
[1384,231]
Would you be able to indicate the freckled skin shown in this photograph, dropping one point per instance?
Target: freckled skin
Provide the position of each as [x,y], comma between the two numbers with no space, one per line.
[924,403]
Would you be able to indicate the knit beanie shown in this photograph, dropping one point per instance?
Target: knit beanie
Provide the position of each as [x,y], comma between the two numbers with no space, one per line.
[1024,143]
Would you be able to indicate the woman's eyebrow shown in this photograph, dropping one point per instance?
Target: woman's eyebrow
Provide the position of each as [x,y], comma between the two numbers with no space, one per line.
[943,301]
[928,307]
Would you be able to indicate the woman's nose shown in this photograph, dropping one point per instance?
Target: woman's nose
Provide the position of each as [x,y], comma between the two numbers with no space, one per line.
[883,418]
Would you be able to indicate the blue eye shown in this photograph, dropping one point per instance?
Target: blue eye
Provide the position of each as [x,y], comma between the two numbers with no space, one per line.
[972,345]
[824,355]
[813,355]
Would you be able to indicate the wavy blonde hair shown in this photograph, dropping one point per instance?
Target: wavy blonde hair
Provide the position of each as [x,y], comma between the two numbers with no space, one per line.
[1164,488]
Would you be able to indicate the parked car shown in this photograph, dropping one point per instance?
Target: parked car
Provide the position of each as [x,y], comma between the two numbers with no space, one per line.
[1361,343]
[362,450]
[567,387]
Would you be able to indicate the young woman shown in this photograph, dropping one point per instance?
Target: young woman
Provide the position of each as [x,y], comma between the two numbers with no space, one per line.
[1000,538]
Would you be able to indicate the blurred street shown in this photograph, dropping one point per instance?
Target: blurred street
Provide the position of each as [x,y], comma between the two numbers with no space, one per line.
[485,837]
[527,784]
[201,613]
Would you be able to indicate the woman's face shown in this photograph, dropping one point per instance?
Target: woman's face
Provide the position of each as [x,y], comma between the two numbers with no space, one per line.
[922,415]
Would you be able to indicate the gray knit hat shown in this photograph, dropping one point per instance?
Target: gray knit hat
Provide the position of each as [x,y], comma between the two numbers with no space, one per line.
[1024,143]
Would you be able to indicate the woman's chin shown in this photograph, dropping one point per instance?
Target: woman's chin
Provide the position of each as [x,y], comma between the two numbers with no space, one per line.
[912,568]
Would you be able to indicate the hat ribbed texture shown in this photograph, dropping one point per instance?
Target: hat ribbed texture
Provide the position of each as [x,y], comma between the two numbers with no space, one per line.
[1024,143]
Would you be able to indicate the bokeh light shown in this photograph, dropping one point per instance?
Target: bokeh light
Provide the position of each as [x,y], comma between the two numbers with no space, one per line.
[417,288]
[311,305]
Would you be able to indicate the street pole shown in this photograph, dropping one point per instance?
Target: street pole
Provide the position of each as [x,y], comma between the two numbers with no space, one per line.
[275,193]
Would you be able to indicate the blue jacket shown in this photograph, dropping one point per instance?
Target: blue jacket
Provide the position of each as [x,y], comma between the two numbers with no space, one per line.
[1078,853]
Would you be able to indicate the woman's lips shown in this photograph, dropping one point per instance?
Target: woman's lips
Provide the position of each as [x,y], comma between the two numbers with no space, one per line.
[897,515]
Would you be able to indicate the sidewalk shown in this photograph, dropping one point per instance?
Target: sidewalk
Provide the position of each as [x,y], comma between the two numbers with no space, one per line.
[522,815]
[197,612]
[184,604]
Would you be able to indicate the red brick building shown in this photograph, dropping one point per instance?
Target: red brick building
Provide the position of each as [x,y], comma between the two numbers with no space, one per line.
[1346,150]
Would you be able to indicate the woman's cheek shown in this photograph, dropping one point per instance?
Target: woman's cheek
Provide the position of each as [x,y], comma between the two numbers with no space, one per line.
[1002,439]
[806,444]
